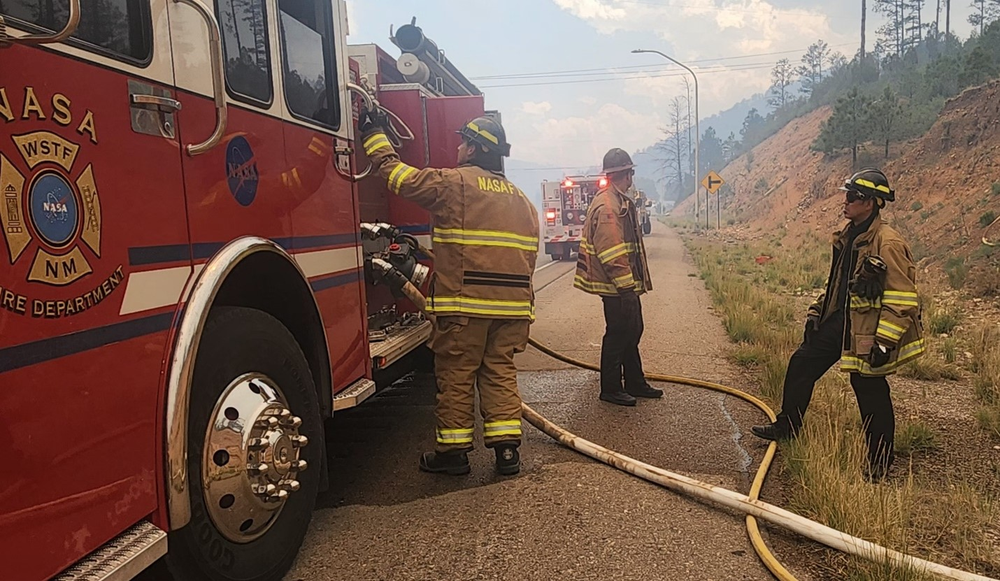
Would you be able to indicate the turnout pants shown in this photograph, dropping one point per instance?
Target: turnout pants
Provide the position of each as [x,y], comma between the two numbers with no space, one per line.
[813,358]
[620,348]
[468,352]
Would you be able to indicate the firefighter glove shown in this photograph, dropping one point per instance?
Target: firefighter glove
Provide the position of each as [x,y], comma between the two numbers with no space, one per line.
[370,122]
[870,283]
[812,325]
[879,355]
[630,305]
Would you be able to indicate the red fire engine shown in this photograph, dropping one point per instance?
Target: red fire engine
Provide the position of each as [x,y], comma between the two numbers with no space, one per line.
[190,272]
[565,205]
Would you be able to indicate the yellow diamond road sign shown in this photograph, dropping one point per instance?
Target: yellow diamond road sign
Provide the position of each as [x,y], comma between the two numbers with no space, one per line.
[713,182]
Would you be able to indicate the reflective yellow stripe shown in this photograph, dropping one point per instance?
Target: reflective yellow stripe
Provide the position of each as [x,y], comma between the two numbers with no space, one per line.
[407,172]
[901,298]
[481,307]
[395,172]
[503,423]
[892,327]
[494,238]
[871,185]
[373,138]
[376,143]
[504,428]
[487,233]
[860,303]
[613,252]
[483,132]
[625,281]
[602,287]
[454,436]
[592,286]
[511,432]
[850,363]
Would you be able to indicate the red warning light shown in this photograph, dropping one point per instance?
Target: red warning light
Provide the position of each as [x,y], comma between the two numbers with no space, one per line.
[604,182]
[568,183]
[550,215]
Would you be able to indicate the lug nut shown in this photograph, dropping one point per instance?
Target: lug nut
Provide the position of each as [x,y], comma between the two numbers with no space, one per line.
[284,415]
[259,444]
[292,422]
[292,486]
[278,496]
[301,465]
[268,490]
[269,422]
[259,468]
[300,441]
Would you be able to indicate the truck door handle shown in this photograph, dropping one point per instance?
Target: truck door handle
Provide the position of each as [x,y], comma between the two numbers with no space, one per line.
[165,104]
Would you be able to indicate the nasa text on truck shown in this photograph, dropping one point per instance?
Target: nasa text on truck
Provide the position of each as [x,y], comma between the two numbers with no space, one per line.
[191,274]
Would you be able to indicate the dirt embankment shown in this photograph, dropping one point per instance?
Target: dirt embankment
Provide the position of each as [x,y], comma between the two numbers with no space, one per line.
[947,186]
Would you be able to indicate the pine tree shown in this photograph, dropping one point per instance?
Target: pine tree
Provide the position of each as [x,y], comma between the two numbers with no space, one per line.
[977,68]
[892,32]
[811,69]
[885,116]
[781,77]
[984,13]
[848,127]
[752,125]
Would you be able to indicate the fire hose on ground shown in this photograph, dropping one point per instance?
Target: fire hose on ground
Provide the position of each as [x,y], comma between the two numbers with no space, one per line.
[749,504]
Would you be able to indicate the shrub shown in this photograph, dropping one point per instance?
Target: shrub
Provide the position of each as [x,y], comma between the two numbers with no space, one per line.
[915,437]
[957,272]
[996,188]
[987,218]
[943,320]
[916,206]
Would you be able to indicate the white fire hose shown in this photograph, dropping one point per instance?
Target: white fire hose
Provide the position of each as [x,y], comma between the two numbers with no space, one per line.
[748,504]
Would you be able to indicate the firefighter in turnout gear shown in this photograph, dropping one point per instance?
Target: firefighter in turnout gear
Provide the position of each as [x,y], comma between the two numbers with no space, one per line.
[868,319]
[612,264]
[485,245]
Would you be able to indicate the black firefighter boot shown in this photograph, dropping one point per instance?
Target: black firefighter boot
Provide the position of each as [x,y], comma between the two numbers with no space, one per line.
[644,390]
[782,429]
[453,463]
[508,459]
[620,397]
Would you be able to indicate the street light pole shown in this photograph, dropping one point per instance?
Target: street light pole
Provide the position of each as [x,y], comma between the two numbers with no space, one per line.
[697,130]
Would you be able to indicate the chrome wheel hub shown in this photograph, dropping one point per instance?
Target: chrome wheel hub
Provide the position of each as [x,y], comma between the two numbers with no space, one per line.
[251,460]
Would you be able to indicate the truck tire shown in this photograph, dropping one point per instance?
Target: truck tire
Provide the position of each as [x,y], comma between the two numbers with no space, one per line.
[647,227]
[252,384]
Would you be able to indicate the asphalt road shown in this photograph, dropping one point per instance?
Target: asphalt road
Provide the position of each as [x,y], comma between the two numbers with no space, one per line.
[564,516]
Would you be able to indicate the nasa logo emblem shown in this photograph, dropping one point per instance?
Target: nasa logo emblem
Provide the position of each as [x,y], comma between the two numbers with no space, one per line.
[54,209]
[61,204]
[241,171]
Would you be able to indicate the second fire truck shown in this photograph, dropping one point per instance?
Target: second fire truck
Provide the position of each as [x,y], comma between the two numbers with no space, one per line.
[564,211]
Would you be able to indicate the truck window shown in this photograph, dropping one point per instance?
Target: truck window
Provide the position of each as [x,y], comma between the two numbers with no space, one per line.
[119,28]
[309,67]
[245,44]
